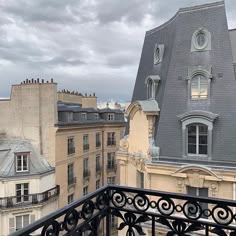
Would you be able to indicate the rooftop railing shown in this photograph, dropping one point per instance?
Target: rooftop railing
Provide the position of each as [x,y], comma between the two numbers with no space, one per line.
[30,199]
[139,211]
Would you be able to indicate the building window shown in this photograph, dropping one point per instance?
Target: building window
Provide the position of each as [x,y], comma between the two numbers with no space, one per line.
[152,82]
[22,162]
[22,192]
[197,139]
[111,116]
[111,161]
[111,139]
[199,192]
[85,168]
[70,198]
[111,180]
[98,184]
[140,179]
[85,190]
[96,116]
[70,146]
[70,174]
[201,40]
[85,142]
[197,130]
[84,116]
[22,221]
[158,53]
[98,166]
[199,87]
[98,140]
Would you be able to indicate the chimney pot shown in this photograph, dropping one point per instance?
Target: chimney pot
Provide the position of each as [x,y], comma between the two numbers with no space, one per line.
[51,80]
[38,80]
[42,81]
[32,80]
[27,81]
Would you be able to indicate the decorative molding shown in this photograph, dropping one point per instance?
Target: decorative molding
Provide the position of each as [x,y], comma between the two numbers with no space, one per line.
[195,47]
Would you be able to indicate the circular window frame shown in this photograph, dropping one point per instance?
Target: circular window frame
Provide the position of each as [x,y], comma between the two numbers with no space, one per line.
[195,38]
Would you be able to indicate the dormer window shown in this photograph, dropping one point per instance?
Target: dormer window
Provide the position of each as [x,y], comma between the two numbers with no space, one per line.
[201,40]
[96,117]
[152,82]
[84,116]
[158,53]
[110,117]
[22,162]
[199,87]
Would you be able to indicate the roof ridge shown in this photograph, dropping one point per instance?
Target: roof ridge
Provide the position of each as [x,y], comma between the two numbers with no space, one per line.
[186,9]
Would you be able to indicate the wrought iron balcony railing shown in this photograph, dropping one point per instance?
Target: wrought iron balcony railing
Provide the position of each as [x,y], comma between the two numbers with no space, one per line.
[71,150]
[86,147]
[30,199]
[72,180]
[111,167]
[111,142]
[139,210]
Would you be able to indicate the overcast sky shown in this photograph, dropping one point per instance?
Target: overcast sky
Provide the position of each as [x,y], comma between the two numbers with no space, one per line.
[85,45]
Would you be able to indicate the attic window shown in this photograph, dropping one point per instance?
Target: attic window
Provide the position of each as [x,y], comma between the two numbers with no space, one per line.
[84,116]
[110,116]
[201,40]
[158,53]
[22,162]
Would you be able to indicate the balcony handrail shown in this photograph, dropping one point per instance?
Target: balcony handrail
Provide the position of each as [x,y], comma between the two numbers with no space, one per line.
[135,207]
[29,199]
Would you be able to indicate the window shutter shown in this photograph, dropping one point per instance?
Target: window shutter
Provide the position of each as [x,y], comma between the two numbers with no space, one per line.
[11,225]
[32,218]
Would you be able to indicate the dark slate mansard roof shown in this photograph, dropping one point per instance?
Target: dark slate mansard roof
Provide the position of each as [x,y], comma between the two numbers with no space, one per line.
[172,94]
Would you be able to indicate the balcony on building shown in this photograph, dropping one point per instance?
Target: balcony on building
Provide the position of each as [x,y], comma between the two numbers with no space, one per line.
[71,181]
[86,147]
[30,199]
[111,167]
[138,212]
[86,174]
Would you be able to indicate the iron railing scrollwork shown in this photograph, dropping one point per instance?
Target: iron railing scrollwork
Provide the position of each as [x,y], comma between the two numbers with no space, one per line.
[137,211]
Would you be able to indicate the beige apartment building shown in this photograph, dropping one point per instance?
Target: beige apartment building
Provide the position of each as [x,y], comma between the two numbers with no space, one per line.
[70,135]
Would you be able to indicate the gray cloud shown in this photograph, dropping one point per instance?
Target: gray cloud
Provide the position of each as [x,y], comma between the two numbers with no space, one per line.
[88,46]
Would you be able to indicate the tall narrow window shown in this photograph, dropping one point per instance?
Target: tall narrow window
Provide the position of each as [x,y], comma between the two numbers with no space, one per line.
[110,161]
[70,174]
[98,140]
[199,87]
[70,145]
[197,139]
[98,166]
[110,116]
[22,192]
[111,139]
[85,142]
[22,162]
[86,168]
[140,179]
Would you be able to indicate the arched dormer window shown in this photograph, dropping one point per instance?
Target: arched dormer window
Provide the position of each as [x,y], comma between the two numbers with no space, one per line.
[199,87]
[152,82]
[199,81]
[197,127]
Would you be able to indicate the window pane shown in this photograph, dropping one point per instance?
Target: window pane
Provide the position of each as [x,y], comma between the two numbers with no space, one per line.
[203,140]
[25,220]
[203,129]
[202,149]
[192,148]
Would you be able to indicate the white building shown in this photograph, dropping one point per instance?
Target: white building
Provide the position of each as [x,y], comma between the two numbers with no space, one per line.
[27,185]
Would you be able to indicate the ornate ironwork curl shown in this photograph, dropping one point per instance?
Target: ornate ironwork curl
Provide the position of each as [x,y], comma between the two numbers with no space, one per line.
[118,199]
[71,220]
[192,210]
[87,210]
[141,202]
[102,201]
[51,229]
[165,206]
[222,215]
